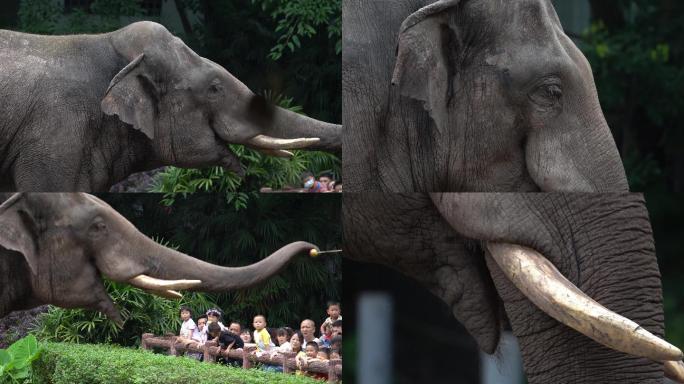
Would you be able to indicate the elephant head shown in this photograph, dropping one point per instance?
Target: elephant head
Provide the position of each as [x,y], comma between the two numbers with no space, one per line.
[574,275]
[55,249]
[485,96]
[191,107]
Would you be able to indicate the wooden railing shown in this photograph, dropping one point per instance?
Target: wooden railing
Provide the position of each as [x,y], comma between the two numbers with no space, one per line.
[333,367]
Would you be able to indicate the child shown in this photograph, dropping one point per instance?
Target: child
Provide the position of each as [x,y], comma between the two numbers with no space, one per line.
[337,328]
[283,335]
[224,339]
[311,185]
[334,355]
[246,335]
[311,350]
[323,354]
[334,312]
[300,358]
[327,335]
[214,316]
[261,336]
[336,344]
[200,333]
[188,326]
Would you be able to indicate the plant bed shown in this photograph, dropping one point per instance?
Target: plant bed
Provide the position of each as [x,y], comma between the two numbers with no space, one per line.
[62,363]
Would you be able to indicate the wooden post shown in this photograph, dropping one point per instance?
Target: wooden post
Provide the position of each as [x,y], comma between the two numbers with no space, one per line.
[172,348]
[332,370]
[208,356]
[246,352]
[143,343]
[286,357]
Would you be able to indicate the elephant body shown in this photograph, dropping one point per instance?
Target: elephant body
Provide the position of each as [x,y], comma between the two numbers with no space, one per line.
[601,242]
[56,248]
[470,96]
[82,112]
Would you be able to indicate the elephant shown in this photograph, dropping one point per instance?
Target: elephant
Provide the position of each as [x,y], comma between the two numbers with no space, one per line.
[574,275]
[470,96]
[55,249]
[82,112]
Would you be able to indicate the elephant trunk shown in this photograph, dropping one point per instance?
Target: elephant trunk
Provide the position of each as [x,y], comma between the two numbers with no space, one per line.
[163,263]
[290,125]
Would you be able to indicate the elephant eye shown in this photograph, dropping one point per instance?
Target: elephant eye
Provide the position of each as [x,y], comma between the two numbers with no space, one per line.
[97,228]
[547,96]
[215,90]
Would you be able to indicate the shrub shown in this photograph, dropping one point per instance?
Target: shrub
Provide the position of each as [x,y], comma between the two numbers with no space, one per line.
[81,363]
[141,311]
[15,361]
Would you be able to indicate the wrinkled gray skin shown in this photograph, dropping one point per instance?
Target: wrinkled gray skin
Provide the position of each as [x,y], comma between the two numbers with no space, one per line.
[55,249]
[82,112]
[488,96]
[600,242]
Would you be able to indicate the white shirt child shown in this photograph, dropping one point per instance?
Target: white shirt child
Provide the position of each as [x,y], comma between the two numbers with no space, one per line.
[187,328]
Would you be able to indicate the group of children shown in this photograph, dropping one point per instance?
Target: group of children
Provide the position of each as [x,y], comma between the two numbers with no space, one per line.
[302,342]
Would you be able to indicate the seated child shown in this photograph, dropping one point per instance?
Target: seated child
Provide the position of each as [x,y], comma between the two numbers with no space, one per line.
[334,312]
[261,336]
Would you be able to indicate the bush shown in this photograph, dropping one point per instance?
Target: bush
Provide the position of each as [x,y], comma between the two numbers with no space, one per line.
[73,363]
[15,361]
[142,312]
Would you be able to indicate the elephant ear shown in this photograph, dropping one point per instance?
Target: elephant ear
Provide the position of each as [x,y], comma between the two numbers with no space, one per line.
[133,96]
[425,62]
[17,230]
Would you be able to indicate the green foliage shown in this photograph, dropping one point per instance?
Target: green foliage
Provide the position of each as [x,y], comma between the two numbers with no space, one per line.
[638,65]
[15,361]
[142,312]
[68,363]
[299,19]
[47,16]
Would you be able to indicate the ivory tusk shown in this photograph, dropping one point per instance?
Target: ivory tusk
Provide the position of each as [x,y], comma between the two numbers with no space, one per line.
[276,153]
[674,370]
[147,282]
[167,294]
[548,289]
[267,142]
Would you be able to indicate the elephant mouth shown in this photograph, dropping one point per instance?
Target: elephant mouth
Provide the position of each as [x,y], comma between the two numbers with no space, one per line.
[540,281]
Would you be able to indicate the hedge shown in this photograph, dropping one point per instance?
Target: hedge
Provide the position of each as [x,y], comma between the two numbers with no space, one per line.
[63,363]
